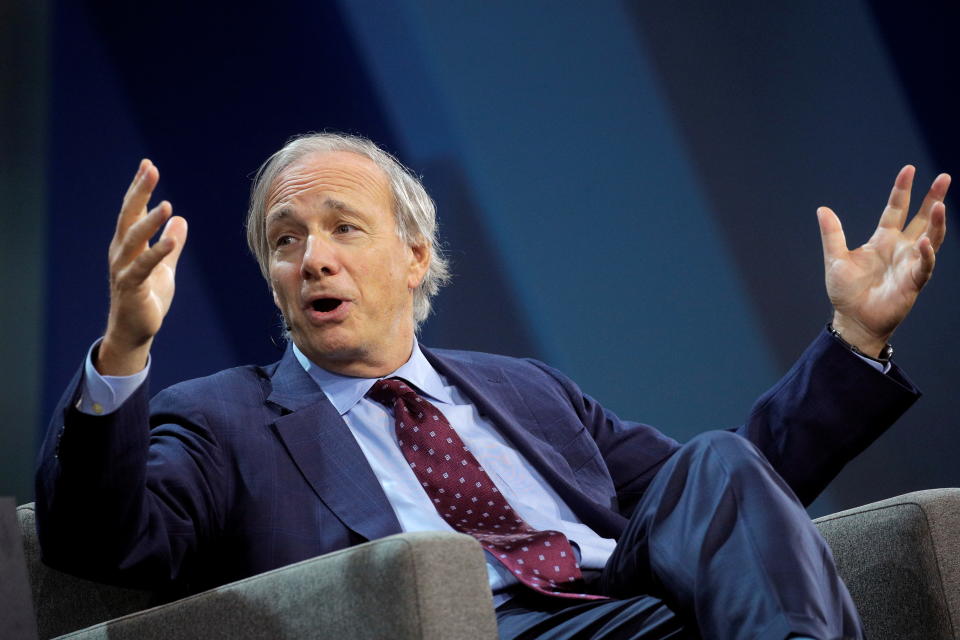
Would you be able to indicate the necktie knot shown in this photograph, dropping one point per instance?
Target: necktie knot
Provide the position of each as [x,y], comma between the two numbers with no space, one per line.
[387,390]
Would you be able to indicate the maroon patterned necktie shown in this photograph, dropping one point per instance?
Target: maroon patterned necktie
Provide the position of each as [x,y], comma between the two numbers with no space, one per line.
[468,499]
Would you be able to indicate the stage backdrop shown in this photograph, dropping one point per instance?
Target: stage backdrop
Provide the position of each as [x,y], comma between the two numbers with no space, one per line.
[627,190]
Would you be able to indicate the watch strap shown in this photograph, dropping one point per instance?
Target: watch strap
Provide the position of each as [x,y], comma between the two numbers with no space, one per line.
[884,358]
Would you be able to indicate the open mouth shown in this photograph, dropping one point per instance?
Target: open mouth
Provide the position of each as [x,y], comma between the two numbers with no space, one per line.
[325,305]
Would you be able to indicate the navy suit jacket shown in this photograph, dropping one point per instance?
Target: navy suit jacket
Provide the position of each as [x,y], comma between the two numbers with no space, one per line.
[252,468]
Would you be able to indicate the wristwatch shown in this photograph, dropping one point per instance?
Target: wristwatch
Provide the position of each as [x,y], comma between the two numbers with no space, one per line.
[886,354]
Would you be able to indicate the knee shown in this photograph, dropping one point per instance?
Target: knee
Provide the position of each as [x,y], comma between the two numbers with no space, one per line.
[723,461]
[733,452]
[721,441]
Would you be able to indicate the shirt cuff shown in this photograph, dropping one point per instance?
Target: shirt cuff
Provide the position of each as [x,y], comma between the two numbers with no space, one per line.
[100,395]
[882,367]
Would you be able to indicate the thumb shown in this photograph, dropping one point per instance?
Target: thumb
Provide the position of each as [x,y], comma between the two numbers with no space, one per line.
[831,234]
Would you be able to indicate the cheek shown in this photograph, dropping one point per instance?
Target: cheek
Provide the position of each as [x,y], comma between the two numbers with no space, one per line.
[281,282]
[279,299]
[378,271]
[382,287]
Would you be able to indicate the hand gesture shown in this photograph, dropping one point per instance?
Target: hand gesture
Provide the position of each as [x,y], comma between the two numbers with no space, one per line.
[873,287]
[141,276]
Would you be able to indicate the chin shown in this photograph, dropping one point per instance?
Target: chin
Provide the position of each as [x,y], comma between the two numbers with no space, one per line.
[329,347]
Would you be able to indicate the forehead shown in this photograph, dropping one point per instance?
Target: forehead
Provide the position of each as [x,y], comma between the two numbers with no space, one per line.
[350,176]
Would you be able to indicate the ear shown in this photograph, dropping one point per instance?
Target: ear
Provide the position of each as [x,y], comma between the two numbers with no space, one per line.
[419,261]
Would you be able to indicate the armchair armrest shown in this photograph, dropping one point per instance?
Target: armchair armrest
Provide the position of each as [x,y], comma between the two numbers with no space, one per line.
[900,559]
[416,585]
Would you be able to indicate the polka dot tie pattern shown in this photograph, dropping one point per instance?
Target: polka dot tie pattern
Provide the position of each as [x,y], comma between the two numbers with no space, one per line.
[469,501]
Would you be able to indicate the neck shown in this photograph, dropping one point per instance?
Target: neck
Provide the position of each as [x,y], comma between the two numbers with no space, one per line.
[357,365]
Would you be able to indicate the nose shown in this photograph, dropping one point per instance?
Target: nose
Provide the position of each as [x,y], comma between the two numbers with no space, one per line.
[319,259]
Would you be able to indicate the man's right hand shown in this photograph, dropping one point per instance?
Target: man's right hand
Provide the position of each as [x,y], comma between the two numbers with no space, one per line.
[141,276]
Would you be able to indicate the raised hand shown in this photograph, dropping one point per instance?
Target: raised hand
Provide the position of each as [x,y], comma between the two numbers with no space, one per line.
[141,276]
[873,287]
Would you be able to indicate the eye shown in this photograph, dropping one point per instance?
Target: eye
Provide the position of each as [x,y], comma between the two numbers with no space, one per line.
[345,228]
[283,240]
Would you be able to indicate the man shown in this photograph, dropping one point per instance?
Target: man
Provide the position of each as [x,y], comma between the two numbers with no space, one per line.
[593,527]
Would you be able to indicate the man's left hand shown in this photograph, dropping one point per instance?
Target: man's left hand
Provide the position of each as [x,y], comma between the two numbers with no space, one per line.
[872,288]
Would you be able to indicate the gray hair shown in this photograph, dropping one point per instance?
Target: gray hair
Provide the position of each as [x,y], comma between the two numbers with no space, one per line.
[414,211]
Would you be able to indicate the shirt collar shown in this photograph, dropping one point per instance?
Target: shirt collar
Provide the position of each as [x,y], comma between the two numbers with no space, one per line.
[344,392]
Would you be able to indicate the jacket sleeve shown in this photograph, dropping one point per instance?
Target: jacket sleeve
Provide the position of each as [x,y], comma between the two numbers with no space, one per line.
[125,498]
[826,410]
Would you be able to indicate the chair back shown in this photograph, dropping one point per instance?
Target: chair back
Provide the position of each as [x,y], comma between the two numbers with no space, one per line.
[16,606]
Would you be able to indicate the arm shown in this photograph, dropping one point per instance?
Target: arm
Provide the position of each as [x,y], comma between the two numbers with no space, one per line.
[127,498]
[830,407]
[826,410]
[91,499]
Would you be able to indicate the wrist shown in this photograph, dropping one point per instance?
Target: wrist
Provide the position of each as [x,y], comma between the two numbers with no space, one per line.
[115,359]
[860,340]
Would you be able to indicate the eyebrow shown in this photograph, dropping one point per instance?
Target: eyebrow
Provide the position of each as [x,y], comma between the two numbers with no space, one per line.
[277,214]
[286,211]
[338,205]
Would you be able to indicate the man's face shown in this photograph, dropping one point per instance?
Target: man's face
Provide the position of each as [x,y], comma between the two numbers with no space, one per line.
[341,275]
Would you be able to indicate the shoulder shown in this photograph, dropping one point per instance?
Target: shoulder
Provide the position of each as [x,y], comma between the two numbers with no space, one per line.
[227,391]
[234,377]
[524,372]
[465,357]
[481,358]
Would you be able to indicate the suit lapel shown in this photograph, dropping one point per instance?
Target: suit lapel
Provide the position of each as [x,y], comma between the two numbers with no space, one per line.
[327,454]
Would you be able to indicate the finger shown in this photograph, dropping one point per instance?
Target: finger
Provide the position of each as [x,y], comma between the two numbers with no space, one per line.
[136,238]
[924,268]
[831,234]
[895,213]
[938,191]
[144,264]
[176,231]
[137,182]
[937,228]
[134,205]
[136,177]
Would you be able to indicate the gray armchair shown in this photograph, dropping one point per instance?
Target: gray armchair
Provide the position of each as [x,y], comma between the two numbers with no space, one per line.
[900,558]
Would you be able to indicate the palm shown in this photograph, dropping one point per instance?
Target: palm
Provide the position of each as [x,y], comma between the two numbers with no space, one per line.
[876,285]
[876,282]
[159,288]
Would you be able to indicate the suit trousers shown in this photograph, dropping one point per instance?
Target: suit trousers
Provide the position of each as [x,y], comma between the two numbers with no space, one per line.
[718,547]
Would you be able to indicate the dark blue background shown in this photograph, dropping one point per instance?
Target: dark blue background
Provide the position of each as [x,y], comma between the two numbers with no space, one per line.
[627,189]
